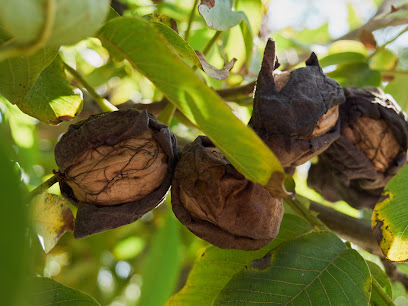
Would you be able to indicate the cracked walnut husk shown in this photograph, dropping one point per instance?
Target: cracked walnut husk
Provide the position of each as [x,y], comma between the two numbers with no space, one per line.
[371,150]
[218,204]
[115,167]
[295,113]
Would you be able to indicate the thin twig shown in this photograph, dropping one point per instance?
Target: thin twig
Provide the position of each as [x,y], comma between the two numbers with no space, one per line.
[357,231]
[167,114]
[375,23]
[104,104]
[380,291]
[394,274]
[392,73]
[190,20]
[211,42]
[304,212]
[44,186]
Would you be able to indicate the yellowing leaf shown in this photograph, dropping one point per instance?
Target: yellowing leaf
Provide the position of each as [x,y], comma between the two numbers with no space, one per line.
[390,219]
[51,218]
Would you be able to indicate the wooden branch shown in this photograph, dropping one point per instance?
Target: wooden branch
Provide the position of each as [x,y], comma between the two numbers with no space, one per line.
[354,230]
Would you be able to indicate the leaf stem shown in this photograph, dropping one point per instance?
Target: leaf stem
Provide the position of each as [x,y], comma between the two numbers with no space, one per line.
[167,113]
[104,104]
[44,186]
[211,42]
[392,40]
[13,50]
[304,212]
[394,72]
[385,297]
[190,20]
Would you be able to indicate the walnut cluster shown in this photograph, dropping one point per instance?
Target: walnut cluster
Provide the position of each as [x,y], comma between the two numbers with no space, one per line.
[370,151]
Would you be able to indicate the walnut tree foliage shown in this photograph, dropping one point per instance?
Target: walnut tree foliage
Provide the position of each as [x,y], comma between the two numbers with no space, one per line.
[285,147]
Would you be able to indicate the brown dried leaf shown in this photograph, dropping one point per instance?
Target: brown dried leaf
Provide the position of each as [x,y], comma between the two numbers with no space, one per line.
[209,3]
[218,74]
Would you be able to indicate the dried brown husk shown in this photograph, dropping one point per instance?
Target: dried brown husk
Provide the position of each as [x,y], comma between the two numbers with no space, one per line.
[295,114]
[218,204]
[372,148]
[115,167]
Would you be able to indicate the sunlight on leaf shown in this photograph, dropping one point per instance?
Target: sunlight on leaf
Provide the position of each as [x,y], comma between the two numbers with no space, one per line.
[390,219]
[52,99]
[51,218]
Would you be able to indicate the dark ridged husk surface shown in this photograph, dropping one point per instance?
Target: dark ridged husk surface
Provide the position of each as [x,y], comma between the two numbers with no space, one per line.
[283,119]
[343,171]
[109,129]
[218,204]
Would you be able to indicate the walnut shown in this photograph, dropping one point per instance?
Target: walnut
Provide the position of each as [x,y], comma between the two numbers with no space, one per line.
[370,151]
[295,113]
[219,204]
[115,167]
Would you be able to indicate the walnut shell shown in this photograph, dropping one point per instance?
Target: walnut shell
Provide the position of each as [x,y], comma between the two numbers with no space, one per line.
[115,167]
[295,114]
[372,148]
[218,204]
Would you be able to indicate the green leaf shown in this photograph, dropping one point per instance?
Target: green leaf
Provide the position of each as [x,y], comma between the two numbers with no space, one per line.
[23,19]
[399,90]
[253,10]
[46,291]
[195,57]
[51,218]
[220,16]
[342,58]
[71,20]
[52,99]
[384,59]
[215,267]
[314,269]
[390,219]
[382,278]
[342,46]
[13,226]
[319,35]
[18,75]
[145,48]
[160,272]
[178,43]
[356,74]
[162,19]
